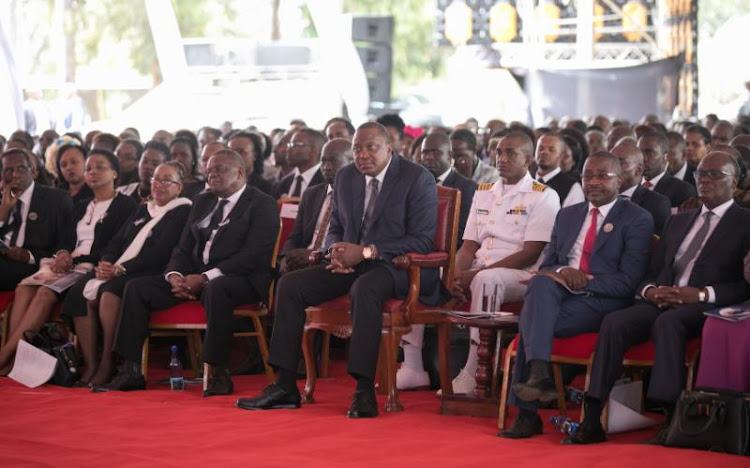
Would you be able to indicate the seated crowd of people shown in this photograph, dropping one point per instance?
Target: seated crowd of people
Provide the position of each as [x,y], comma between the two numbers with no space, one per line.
[564,218]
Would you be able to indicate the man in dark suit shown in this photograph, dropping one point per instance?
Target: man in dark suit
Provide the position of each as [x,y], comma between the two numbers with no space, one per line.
[678,166]
[436,157]
[304,155]
[631,163]
[33,219]
[697,266]
[223,259]
[597,255]
[549,152]
[315,208]
[655,146]
[384,206]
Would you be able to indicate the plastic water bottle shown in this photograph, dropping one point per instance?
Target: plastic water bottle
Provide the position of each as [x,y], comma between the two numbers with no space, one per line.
[565,425]
[176,382]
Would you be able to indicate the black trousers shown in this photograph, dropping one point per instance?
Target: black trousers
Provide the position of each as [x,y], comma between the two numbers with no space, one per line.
[12,272]
[669,329]
[368,287]
[219,298]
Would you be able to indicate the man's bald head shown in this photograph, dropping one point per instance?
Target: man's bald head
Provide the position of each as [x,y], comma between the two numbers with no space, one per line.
[631,165]
[336,154]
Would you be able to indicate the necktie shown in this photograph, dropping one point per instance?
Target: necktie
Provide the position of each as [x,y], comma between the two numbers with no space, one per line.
[588,243]
[298,188]
[14,226]
[213,224]
[367,220]
[648,185]
[692,251]
[322,230]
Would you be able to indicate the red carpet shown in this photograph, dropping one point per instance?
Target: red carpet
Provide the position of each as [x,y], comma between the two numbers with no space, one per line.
[54,426]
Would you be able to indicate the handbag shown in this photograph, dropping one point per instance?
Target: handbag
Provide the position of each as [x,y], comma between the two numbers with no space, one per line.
[710,419]
[52,340]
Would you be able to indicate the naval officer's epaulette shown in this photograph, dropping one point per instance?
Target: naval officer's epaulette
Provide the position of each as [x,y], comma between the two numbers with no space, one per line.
[485,186]
[537,186]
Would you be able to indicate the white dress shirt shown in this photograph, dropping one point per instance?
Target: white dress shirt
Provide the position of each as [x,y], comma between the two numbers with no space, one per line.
[576,252]
[25,198]
[306,178]
[575,194]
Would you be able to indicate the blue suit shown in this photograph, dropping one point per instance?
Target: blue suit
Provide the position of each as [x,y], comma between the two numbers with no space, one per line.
[617,263]
[404,220]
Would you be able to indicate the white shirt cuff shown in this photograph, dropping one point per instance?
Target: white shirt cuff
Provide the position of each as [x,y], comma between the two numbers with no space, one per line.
[213,273]
[32,260]
[166,277]
[711,295]
[646,288]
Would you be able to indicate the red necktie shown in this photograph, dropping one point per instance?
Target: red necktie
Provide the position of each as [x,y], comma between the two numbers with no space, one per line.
[588,243]
[648,184]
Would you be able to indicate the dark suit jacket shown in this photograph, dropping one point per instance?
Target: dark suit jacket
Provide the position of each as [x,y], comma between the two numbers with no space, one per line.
[467,187]
[404,220]
[257,181]
[193,189]
[620,257]
[720,262]
[675,189]
[48,222]
[689,177]
[119,211]
[243,244]
[307,217]
[655,203]
[282,188]
[154,254]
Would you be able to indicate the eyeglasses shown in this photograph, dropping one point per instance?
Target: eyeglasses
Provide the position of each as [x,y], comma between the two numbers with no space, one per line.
[604,176]
[168,182]
[298,144]
[20,170]
[713,174]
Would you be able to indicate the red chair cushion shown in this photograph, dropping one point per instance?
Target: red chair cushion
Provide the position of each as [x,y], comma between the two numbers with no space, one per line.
[647,351]
[577,347]
[6,297]
[190,312]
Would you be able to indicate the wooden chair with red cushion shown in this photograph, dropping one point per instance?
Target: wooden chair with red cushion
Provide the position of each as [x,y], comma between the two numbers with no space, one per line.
[6,303]
[333,317]
[188,319]
[577,349]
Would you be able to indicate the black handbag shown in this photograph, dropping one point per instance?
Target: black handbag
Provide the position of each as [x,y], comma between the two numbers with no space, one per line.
[53,341]
[709,419]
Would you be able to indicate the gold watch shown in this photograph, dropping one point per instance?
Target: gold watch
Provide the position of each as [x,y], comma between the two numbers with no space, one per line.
[702,296]
[367,252]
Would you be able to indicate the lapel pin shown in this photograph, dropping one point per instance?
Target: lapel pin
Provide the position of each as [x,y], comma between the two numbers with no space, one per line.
[33,216]
[608,227]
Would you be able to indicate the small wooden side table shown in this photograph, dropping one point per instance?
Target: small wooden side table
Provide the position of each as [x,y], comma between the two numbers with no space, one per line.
[484,402]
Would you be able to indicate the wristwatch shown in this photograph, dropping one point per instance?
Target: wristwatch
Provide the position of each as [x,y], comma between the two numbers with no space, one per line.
[367,252]
[702,296]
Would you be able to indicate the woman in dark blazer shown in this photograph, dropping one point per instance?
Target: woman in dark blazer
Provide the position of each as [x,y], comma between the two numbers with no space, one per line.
[95,222]
[142,247]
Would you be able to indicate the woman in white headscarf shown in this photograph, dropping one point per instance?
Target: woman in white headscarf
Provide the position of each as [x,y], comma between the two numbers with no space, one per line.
[141,247]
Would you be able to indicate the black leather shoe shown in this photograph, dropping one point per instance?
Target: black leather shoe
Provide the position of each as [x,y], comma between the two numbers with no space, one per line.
[524,426]
[542,390]
[587,434]
[272,397]
[126,379]
[219,384]
[364,405]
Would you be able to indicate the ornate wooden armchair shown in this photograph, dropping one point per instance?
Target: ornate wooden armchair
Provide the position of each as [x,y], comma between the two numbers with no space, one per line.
[333,317]
[6,303]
